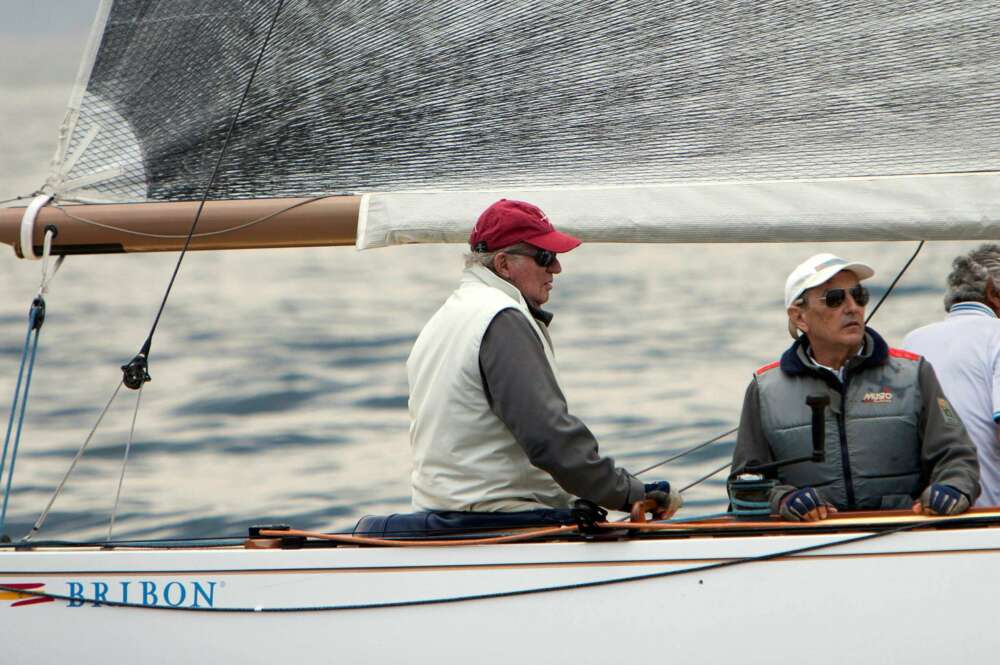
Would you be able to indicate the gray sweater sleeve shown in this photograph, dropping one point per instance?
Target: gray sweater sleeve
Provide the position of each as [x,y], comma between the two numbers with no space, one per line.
[523,393]
[947,452]
[752,446]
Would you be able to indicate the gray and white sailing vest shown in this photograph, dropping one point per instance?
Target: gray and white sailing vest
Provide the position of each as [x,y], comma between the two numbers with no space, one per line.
[464,457]
[872,433]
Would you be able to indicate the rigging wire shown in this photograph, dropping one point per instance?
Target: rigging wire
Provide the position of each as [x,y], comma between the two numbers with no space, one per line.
[706,477]
[45,513]
[135,372]
[894,282]
[687,452]
[871,314]
[21,198]
[121,477]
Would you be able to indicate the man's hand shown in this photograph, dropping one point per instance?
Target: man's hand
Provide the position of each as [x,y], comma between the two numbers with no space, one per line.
[941,500]
[668,501]
[805,505]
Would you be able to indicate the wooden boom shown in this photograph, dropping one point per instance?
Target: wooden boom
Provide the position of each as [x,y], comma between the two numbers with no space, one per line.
[163,227]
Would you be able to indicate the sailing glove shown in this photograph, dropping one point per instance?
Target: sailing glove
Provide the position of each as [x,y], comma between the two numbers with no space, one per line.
[668,500]
[796,505]
[944,500]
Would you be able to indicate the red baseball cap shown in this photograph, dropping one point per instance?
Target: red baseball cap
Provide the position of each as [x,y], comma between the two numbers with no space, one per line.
[507,223]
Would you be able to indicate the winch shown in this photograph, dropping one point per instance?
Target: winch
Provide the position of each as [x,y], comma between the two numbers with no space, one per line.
[749,492]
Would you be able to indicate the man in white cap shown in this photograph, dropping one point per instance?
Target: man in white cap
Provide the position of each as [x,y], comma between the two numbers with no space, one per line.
[892,439]
[490,429]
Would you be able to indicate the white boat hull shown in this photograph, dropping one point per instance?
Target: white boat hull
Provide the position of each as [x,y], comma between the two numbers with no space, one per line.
[921,596]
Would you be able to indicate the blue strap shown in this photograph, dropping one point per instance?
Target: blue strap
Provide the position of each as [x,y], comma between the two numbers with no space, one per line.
[27,358]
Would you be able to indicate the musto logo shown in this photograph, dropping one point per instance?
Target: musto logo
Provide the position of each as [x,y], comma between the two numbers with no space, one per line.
[166,593]
[883,397]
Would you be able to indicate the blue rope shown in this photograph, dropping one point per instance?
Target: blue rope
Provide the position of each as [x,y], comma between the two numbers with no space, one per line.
[710,516]
[744,507]
[28,359]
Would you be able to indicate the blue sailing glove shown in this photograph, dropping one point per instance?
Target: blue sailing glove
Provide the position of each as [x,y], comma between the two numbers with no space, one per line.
[668,501]
[658,486]
[944,500]
[796,505]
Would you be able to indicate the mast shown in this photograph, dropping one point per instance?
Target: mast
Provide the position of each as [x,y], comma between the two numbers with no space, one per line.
[163,227]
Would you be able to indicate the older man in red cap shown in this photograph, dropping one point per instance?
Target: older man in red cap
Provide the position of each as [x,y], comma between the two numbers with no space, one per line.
[490,430]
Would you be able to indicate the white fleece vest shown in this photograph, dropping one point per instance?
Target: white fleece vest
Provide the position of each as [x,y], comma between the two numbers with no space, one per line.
[464,457]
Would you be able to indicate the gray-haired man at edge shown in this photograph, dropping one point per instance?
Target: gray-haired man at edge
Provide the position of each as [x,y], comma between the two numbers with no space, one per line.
[490,429]
[964,349]
[892,441]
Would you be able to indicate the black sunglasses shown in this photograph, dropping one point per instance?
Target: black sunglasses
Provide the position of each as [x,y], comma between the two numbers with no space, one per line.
[834,298]
[543,257]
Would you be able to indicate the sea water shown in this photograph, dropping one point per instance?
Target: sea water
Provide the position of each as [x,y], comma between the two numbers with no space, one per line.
[279,387]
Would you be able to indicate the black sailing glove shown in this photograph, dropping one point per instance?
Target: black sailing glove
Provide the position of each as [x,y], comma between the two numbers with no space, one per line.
[943,500]
[804,505]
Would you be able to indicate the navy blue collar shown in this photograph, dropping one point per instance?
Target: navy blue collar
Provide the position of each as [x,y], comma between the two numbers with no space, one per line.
[795,360]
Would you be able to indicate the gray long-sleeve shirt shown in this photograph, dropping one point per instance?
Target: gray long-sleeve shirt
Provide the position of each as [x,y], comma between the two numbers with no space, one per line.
[523,393]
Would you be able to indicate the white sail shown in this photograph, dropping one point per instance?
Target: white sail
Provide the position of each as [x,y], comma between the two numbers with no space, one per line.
[640,121]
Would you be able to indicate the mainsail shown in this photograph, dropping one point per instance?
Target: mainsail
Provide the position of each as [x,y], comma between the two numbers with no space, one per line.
[626,121]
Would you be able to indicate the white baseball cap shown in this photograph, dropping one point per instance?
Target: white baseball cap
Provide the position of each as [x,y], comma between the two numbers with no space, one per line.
[817,269]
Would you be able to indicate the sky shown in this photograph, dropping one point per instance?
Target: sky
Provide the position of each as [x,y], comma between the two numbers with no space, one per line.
[41,44]
[47,17]
[43,39]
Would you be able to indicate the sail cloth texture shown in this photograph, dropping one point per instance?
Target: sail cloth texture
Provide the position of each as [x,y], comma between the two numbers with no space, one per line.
[807,120]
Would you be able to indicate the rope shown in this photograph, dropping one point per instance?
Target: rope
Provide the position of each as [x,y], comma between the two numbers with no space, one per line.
[47,277]
[36,317]
[507,594]
[206,234]
[121,477]
[743,507]
[27,359]
[45,513]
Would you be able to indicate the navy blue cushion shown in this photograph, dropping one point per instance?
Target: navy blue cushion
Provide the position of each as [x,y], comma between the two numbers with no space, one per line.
[437,523]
